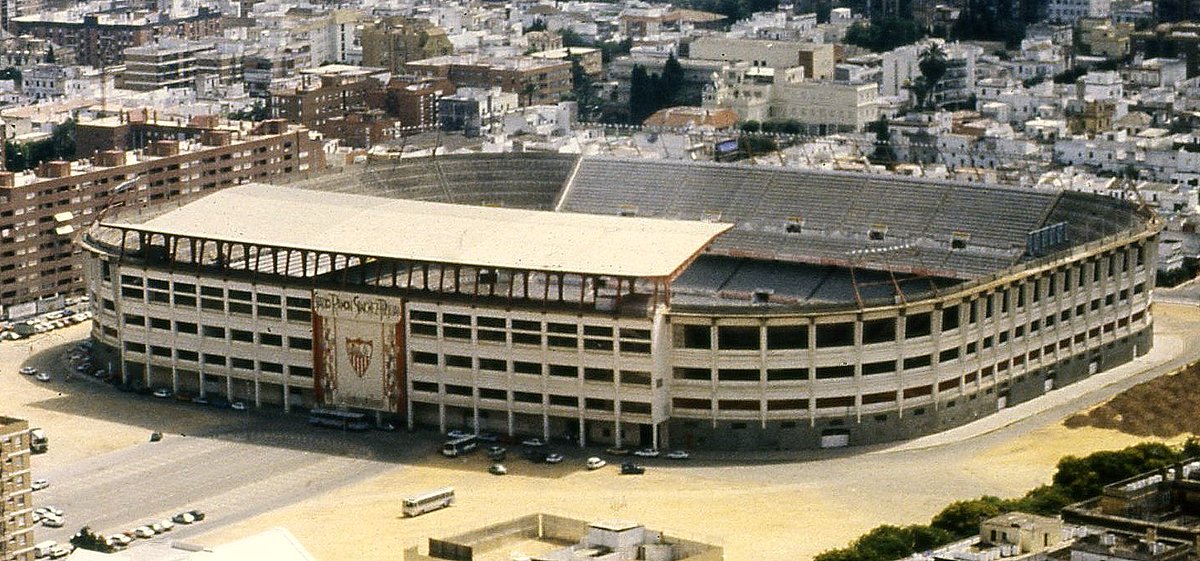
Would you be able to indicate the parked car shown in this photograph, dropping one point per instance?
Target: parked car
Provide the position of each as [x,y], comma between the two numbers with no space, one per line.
[200,400]
[628,468]
[155,436]
[42,377]
[617,451]
[166,524]
[119,540]
[535,455]
[595,463]
[554,458]
[184,518]
[457,434]
[498,469]
[28,370]
[533,442]
[496,453]
[162,392]
[51,521]
[647,453]
[488,437]
[197,514]
[158,529]
[238,406]
[678,455]
[39,484]
[143,532]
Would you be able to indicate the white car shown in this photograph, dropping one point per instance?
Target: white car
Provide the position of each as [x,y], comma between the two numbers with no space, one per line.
[678,455]
[498,469]
[53,511]
[595,463]
[162,392]
[51,521]
[143,532]
[238,406]
[533,442]
[646,453]
[166,525]
[28,370]
[457,434]
[42,377]
[119,540]
[554,458]
[39,484]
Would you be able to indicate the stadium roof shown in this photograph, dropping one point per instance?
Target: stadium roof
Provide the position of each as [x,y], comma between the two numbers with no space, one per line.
[437,232]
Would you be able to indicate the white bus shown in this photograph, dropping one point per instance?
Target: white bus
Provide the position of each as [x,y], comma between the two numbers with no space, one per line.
[338,419]
[460,446]
[425,502]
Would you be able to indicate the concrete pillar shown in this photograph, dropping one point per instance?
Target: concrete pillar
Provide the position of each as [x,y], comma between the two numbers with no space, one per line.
[257,392]
[201,379]
[582,432]
[654,435]
[442,416]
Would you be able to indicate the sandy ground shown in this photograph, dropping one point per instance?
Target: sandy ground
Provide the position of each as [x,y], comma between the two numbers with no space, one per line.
[81,417]
[753,518]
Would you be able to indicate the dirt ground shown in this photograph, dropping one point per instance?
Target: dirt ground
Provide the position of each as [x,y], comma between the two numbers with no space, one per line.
[750,518]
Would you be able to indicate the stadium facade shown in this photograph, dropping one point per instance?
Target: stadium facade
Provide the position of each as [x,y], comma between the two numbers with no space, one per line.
[633,302]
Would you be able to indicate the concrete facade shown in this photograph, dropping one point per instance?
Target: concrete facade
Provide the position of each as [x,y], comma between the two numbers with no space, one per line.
[16,496]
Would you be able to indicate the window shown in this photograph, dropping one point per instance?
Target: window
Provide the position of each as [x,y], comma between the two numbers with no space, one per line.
[950,318]
[270,339]
[693,374]
[214,332]
[458,361]
[303,343]
[528,368]
[493,364]
[780,374]
[835,335]
[241,335]
[879,331]
[697,337]
[787,337]
[186,327]
[737,338]
[598,375]
[917,325]
[419,357]
[737,375]
[915,362]
[564,371]
[845,371]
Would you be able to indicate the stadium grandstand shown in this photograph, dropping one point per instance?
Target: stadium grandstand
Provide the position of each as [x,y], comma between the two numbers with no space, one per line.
[627,302]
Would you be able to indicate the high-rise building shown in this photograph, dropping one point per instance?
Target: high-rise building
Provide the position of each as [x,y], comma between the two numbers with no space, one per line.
[16,499]
[392,42]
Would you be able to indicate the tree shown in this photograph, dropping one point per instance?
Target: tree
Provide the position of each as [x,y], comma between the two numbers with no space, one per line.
[537,25]
[49,54]
[85,538]
[883,154]
[670,83]
[884,34]
[932,64]
[62,140]
[751,126]
[962,518]
[640,91]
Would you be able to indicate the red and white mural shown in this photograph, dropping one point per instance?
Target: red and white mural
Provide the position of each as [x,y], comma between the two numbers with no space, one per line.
[358,351]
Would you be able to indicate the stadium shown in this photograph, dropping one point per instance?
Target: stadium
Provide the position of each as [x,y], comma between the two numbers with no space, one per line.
[626,302]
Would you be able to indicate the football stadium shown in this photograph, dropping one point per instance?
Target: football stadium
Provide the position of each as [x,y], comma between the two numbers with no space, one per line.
[626,302]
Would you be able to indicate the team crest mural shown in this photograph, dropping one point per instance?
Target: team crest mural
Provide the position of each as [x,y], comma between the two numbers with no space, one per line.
[358,350]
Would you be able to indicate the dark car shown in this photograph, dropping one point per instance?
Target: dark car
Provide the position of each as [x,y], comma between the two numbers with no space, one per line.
[197,514]
[628,468]
[535,455]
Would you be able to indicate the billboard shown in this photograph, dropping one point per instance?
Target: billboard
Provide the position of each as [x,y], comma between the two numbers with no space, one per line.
[358,351]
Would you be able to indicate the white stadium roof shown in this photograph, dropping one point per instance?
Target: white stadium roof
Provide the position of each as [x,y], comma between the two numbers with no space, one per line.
[361,225]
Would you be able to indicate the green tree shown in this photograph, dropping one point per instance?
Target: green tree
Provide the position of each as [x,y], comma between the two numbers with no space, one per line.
[50,54]
[884,34]
[62,140]
[537,25]
[962,518]
[751,126]
[85,538]
[932,64]
[670,83]
[883,154]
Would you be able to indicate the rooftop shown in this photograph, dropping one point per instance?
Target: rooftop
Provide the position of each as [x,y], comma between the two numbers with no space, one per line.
[438,232]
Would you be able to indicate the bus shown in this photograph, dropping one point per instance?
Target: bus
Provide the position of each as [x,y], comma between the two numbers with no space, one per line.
[338,419]
[460,446]
[425,502]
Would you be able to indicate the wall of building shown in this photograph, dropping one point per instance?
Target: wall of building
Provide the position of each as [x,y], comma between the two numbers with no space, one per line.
[16,496]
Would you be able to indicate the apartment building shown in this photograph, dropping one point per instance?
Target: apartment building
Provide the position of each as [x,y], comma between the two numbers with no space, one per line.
[16,499]
[101,38]
[392,42]
[166,64]
[41,210]
[534,81]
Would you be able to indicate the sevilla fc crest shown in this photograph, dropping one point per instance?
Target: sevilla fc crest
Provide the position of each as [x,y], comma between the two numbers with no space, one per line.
[359,352]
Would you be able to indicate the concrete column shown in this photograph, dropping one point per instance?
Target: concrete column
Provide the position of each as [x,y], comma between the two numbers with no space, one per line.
[442,416]
[287,394]
[582,433]
[617,433]
[257,392]
[201,378]
[654,435]
[545,424]
[174,377]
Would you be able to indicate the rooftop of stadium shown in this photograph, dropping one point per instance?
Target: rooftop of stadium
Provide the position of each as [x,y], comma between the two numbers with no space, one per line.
[781,237]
